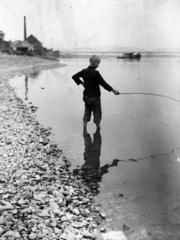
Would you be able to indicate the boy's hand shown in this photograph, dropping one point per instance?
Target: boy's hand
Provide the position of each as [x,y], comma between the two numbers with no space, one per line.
[115,92]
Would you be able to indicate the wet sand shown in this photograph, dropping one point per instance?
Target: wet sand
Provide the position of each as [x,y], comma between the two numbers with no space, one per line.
[40,198]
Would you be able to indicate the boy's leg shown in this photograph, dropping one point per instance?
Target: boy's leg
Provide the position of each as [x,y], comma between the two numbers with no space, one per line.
[87,114]
[97,112]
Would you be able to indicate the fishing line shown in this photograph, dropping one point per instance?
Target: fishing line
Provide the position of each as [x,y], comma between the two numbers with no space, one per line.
[152,94]
[154,155]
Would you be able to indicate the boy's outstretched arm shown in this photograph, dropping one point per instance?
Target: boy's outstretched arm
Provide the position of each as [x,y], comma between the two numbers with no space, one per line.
[115,92]
[105,85]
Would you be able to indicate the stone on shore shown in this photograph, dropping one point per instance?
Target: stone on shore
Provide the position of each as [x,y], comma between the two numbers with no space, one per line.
[40,198]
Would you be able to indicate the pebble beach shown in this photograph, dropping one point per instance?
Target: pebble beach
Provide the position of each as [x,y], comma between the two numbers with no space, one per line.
[40,198]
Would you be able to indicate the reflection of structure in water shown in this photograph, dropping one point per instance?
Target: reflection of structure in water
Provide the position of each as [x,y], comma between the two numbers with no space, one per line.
[90,171]
[33,74]
[26,87]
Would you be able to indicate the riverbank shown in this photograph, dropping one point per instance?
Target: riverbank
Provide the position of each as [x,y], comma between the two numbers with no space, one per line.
[12,64]
[40,197]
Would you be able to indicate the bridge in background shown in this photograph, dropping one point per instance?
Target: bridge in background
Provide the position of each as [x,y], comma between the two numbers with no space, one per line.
[117,53]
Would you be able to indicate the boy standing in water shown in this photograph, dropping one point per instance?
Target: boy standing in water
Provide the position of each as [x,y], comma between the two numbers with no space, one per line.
[91,79]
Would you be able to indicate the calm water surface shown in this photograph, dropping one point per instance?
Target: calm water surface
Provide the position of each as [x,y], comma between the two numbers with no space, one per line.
[136,154]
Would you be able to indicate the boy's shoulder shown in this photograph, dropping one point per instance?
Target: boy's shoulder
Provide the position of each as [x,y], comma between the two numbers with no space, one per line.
[91,69]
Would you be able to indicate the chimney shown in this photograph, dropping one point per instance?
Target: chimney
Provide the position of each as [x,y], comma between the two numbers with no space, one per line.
[25,33]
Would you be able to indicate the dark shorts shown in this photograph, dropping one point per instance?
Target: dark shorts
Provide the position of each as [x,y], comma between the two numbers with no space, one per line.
[92,105]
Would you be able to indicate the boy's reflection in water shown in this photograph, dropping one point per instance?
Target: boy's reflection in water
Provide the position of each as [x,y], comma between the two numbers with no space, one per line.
[91,171]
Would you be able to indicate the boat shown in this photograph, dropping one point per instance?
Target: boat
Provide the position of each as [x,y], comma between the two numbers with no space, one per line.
[130,55]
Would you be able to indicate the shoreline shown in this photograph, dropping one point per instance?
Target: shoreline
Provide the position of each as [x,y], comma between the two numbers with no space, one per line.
[18,65]
[40,197]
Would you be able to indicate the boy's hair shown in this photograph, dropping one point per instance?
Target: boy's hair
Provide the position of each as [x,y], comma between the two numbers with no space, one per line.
[93,59]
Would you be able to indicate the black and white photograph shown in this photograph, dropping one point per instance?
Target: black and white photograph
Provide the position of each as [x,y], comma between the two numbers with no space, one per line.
[89,119]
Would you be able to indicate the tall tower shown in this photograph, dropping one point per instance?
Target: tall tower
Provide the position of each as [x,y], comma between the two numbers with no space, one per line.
[25,33]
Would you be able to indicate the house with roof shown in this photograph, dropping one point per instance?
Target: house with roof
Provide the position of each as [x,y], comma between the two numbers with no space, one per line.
[37,45]
[5,46]
[22,47]
[1,35]
[2,40]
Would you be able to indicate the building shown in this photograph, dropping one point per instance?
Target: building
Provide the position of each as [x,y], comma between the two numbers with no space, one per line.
[22,47]
[32,40]
[37,45]
[1,41]
[1,35]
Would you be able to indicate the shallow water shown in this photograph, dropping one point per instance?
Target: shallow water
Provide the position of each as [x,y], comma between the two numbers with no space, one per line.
[136,154]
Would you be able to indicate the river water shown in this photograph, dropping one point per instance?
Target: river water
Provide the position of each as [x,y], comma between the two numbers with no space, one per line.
[136,153]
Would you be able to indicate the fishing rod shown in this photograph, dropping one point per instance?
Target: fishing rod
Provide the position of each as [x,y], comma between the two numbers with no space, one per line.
[152,94]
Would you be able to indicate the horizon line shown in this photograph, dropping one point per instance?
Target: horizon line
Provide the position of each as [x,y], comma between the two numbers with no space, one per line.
[120,51]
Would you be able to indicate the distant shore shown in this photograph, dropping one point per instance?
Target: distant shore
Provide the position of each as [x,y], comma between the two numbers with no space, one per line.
[107,54]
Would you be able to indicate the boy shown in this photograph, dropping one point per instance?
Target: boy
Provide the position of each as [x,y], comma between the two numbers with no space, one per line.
[91,79]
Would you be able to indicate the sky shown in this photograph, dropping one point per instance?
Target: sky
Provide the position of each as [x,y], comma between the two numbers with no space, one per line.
[95,24]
